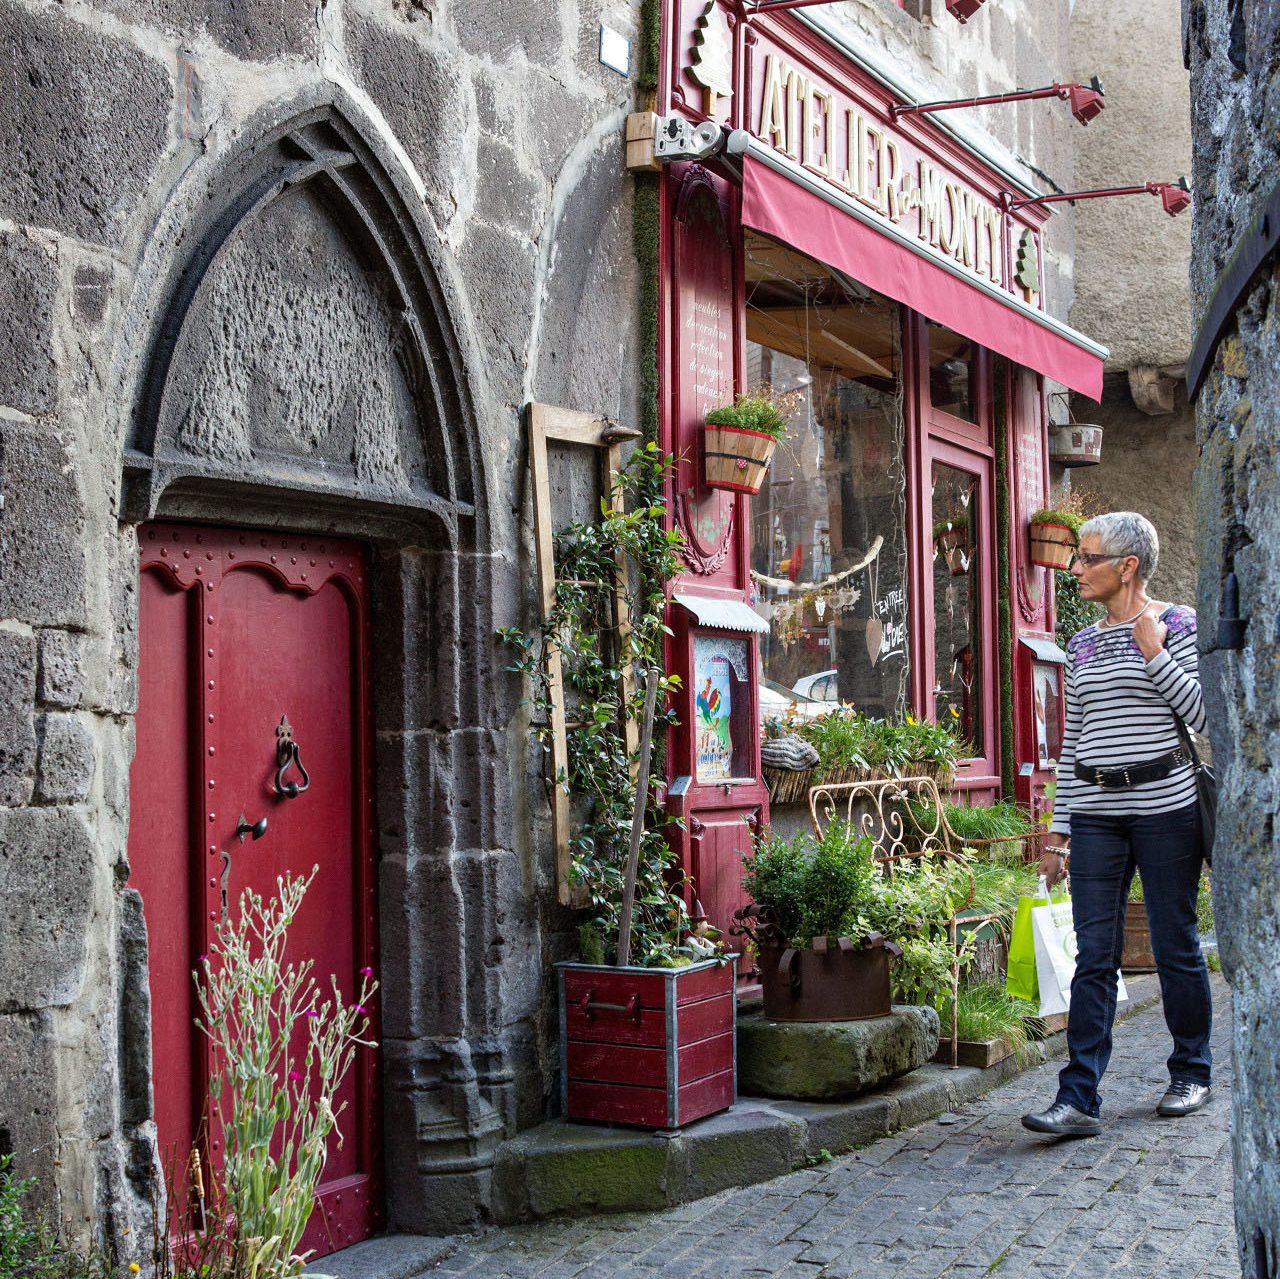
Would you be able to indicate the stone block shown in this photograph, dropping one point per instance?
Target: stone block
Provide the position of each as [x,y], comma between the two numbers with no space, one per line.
[505,194]
[64,772]
[738,1148]
[42,554]
[562,1169]
[28,286]
[28,1118]
[255,30]
[499,268]
[61,671]
[426,100]
[927,1094]
[841,1128]
[46,898]
[504,30]
[86,121]
[17,728]
[819,1060]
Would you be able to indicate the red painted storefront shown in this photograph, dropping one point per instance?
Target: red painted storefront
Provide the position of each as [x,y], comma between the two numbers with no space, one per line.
[905,224]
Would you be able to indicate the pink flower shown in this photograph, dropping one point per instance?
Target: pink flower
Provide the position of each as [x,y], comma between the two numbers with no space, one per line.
[366,972]
[203,959]
[360,1008]
[311,1012]
[293,1074]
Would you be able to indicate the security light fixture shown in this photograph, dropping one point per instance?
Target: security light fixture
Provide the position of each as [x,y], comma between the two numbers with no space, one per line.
[1086,100]
[1174,196]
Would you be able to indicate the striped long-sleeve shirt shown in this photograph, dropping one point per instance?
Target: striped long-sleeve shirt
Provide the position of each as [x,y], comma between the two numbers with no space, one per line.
[1120,710]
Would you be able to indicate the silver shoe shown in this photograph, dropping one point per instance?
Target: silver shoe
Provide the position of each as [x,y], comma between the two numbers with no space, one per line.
[1183,1098]
[1063,1120]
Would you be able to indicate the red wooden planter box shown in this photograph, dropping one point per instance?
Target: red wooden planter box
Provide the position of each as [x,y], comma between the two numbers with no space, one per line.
[653,1047]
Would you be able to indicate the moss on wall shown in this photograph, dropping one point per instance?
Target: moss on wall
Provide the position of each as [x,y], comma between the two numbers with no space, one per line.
[645,236]
[1004,612]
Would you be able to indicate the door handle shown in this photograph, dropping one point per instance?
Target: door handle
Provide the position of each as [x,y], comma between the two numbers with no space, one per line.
[257,829]
[289,755]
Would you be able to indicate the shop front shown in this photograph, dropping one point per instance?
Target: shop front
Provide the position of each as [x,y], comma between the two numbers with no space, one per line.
[867,273]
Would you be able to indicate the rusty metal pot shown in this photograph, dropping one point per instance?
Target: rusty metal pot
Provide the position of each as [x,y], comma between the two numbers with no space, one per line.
[1136,957]
[835,980]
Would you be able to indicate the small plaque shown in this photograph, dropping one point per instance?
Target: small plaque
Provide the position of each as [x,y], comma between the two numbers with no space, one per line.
[615,50]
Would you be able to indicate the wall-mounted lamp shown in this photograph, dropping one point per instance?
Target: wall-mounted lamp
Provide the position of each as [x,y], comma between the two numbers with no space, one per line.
[1174,196]
[1086,100]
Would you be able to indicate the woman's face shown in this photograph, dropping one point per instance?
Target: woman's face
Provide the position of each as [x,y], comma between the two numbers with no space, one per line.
[1103,578]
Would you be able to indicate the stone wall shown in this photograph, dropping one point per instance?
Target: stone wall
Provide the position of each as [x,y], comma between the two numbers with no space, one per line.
[1233,51]
[199,328]
[488,138]
[1147,463]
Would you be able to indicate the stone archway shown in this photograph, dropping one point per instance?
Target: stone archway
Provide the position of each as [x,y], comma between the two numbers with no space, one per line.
[305,375]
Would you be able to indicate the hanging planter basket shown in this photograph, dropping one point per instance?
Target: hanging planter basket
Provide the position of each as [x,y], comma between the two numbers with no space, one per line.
[1075,444]
[737,459]
[1052,545]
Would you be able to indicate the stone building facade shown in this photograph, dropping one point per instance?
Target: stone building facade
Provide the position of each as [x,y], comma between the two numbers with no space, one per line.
[1131,275]
[1233,51]
[294,271]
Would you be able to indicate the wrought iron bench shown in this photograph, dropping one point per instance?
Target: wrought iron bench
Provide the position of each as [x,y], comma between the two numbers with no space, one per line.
[875,808]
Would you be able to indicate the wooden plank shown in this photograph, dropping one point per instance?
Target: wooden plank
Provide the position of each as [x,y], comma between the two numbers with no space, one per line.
[705,984]
[704,1097]
[618,1063]
[705,1018]
[568,426]
[617,1104]
[610,986]
[974,1052]
[706,1057]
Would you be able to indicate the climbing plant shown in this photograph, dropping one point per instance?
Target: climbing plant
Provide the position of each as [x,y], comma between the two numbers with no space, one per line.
[1073,613]
[630,550]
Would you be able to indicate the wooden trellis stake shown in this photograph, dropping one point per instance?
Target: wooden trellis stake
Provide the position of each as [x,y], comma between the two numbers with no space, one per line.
[567,426]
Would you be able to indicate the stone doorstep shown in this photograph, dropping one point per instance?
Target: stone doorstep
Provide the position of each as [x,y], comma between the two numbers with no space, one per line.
[559,1169]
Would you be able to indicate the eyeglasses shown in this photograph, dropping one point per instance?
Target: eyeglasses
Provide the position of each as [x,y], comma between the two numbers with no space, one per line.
[1089,559]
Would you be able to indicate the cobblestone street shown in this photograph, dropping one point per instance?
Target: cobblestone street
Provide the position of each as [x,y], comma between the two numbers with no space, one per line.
[968,1194]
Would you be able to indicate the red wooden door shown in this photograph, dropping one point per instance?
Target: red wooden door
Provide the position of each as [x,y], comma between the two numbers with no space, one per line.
[238,632]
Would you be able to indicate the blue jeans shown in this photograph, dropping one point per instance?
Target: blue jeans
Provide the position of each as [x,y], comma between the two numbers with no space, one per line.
[1164,847]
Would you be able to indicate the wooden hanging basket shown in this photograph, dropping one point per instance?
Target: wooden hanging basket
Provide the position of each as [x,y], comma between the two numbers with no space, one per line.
[737,459]
[1075,444]
[1052,545]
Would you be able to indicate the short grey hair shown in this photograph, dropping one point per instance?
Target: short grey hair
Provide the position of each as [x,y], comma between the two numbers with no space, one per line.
[1122,533]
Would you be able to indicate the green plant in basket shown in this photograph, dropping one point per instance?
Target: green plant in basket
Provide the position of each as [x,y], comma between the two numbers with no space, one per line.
[758,410]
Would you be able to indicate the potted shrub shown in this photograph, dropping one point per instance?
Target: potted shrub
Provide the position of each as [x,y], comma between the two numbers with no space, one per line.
[648,1010]
[740,439]
[812,899]
[1055,534]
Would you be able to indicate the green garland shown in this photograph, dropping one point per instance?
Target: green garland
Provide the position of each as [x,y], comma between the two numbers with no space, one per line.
[645,241]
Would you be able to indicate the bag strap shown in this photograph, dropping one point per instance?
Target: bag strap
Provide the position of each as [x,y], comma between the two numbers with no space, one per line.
[1183,731]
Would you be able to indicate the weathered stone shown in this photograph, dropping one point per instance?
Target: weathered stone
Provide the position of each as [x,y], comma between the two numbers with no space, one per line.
[738,1148]
[503,29]
[833,1058]
[64,773]
[565,1170]
[498,268]
[62,679]
[46,880]
[90,294]
[426,100]
[255,30]
[28,1117]
[28,286]
[17,728]
[86,120]
[42,553]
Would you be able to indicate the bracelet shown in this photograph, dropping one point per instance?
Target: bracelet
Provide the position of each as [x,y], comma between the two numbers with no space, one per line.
[1056,850]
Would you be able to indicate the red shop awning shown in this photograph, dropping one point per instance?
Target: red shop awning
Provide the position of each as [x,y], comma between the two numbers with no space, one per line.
[789,210]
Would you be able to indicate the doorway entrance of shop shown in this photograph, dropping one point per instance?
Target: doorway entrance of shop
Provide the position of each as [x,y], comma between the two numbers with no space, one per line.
[247,641]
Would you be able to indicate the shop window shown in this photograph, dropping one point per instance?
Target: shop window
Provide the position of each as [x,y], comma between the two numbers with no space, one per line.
[721,707]
[828,530]
[952,373]
[957,604]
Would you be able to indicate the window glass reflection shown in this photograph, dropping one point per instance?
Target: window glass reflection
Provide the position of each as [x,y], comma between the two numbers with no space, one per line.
[957,599]
[828,529]
[951,372]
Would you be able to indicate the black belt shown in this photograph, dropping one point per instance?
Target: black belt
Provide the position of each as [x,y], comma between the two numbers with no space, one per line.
[1151,770]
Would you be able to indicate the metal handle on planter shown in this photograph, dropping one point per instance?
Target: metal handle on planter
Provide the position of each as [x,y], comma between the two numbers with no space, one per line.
[789,967]
[591,1007]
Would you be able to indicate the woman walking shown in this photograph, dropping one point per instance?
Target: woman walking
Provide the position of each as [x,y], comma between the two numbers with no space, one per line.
[1126,799]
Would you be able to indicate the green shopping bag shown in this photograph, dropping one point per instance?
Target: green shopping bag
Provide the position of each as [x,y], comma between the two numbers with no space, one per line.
[1021,979]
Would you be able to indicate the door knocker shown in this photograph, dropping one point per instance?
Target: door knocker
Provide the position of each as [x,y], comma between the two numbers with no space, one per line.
[288,755]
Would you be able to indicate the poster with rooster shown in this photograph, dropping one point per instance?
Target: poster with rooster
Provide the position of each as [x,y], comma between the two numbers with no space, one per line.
[717,664]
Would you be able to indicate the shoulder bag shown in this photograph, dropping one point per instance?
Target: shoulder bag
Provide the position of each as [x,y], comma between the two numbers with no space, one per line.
[1206,786]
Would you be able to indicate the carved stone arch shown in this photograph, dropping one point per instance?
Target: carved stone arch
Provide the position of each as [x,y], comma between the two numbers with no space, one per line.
[304,356]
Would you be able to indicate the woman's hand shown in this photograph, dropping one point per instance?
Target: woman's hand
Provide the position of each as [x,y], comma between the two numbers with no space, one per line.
[1053,863]
[1149,634]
